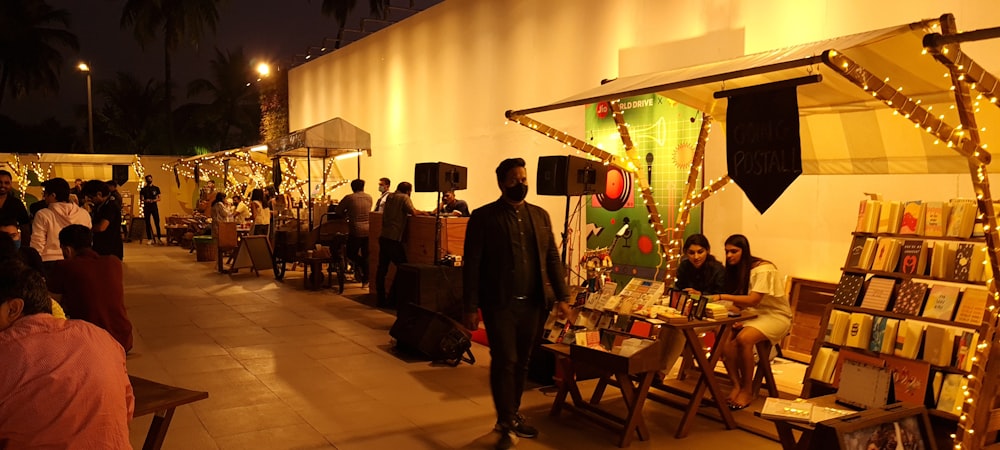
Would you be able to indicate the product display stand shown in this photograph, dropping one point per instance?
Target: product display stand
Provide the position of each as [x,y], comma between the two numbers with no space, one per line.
[641,366]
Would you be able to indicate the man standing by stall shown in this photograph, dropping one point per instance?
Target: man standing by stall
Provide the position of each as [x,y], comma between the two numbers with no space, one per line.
[150,195]
[452,206]
[512,273]
[396,210]
[10,205]
[355,207]
[383,190]
[105,218]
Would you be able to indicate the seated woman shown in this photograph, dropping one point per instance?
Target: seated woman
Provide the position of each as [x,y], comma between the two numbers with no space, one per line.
[700,272]
[752,284]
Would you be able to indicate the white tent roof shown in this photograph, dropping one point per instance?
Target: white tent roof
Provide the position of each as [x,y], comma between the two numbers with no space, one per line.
[844,129]
[331,138]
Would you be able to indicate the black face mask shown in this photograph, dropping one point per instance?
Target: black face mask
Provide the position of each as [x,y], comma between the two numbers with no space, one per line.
[516,193]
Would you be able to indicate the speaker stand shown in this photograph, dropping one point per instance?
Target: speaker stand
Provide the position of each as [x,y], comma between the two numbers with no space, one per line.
[437,231]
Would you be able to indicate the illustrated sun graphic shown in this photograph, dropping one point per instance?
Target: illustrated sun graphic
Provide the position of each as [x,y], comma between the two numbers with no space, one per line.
[683,155]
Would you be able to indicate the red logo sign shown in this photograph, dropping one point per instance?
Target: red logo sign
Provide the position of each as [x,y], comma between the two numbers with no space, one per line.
[603,109]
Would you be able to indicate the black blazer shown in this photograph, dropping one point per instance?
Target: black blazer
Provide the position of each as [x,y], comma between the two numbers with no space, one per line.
[488,259]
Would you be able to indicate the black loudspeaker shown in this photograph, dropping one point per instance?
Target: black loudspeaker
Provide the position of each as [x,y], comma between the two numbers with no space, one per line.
[431,335]
[439,177]
[570,175]
[119,173]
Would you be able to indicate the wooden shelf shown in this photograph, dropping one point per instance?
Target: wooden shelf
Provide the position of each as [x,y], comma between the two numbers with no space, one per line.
[892,315]
[942,414]
[926,238]
[908,276]
[864,351]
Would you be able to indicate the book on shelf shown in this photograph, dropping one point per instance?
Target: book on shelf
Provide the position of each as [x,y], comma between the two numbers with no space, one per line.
[641,328]
[966,349]
[590,339]
[969,262]
[913,218]
[913,257]
[823,365]
[910,378]
[972,306]
[935,218]
[849,289]
[837,327]
[847,354]
[935,381]
[943,259]
[962,217]
[910,297]
[864,385]
[938,345]
[868,216]
[879,293]
[854,254]
[886,255]
[883,338]
[951,398]
[941,302]
[867,253]
[859,330]
[908,338]
[889,217]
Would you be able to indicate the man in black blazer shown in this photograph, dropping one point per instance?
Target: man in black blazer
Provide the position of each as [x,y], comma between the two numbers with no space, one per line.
[513,273]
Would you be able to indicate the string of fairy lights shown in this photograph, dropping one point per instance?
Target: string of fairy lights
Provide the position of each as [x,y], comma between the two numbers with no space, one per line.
[966,76]
[964,139]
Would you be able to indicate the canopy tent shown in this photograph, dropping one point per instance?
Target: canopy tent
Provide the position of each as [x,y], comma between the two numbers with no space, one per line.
[241,168]
[336,138]
[847,128]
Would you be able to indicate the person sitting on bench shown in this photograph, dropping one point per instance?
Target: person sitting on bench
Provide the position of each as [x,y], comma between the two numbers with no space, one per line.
[63,383]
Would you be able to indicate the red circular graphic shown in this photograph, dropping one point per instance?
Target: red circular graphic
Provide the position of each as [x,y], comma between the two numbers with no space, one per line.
[603,109]
[615,184]
[613,221]
[645,244]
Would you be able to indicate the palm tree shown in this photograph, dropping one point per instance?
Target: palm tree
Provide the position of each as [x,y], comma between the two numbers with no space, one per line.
[340,9]
[175,21]
[234,98]
[132,112]
[31,34]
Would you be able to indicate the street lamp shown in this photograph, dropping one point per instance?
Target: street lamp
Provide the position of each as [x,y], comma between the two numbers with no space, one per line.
[83,67]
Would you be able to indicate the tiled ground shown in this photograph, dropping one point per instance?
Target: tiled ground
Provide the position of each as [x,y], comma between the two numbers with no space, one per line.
[293,369]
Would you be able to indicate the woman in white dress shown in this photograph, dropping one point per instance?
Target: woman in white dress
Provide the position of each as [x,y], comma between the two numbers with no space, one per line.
[752,284]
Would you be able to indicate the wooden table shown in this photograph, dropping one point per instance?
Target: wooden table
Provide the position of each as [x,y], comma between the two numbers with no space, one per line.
[314,280]
[633,376]
[785,428]
[161,400]
[706,365]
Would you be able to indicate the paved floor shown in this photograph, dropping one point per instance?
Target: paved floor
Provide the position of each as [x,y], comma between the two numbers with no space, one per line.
[293,369]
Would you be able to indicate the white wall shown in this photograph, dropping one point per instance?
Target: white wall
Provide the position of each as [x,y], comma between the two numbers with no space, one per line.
[434,88]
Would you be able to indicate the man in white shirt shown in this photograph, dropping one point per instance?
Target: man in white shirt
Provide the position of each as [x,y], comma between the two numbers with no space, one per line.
[49,221]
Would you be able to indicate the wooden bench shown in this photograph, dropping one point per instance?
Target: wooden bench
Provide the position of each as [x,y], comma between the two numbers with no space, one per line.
[160,400]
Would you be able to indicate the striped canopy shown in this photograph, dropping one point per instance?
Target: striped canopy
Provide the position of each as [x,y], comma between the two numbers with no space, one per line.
[844,130]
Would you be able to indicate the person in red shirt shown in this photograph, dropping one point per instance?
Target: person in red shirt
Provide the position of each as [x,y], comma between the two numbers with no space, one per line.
[91,285]
[63,383]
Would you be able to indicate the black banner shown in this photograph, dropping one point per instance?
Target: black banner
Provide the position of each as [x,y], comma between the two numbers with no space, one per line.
[764,152]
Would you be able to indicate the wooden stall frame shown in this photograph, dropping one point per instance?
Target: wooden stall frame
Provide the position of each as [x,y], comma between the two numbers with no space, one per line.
[965,74]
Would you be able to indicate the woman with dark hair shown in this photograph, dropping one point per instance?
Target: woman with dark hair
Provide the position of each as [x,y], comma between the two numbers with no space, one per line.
[752,284]
[700,271]
[260,213]
[220,211]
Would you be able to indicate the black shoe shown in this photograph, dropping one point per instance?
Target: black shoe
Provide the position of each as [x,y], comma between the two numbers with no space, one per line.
[506,441]
[520,427]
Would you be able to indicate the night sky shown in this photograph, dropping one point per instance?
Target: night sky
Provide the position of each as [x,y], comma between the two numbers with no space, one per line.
[273,30]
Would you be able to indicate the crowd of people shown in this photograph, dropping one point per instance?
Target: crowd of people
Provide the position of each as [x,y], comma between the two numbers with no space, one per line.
[61,282]
[64,330]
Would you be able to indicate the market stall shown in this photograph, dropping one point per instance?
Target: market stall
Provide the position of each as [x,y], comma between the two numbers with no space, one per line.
[848,90]
[320,147]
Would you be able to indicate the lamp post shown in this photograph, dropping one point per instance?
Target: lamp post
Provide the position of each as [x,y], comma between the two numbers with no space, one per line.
[83,67]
